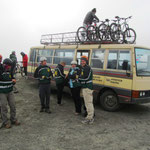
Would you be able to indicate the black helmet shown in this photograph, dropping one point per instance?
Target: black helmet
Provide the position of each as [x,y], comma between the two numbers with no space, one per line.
[22,53]
[7,61]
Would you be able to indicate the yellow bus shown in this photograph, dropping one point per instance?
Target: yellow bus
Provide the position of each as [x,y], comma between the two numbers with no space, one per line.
[121,72]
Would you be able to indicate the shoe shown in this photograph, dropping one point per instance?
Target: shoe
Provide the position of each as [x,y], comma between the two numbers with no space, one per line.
[48,111]
[85,114]
[42,110]
[16,123]
[7,126]
[59,104]
[88,121]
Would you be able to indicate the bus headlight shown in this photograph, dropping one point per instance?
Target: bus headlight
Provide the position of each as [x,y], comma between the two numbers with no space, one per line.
[142,94]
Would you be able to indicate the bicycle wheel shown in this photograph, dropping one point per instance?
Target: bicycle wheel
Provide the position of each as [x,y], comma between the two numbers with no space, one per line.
[91,33]
[129,36]
[82,34]
[103,32]
[22,71]
[114,33]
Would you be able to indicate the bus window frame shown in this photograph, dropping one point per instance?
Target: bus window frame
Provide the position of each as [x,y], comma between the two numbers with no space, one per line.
[45,56]
[104,58]
[118,50]
[63,57]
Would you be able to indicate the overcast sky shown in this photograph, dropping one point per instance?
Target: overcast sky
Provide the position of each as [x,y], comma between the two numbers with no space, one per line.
[22,22]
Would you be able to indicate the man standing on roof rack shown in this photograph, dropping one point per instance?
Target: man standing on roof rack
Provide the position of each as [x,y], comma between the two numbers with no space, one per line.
[90,16]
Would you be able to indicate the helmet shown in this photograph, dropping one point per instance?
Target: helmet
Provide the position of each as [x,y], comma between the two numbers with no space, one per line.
[94,10]
[73,63]
[13,52]
[42,59]
[7,61]
[85,58]
[22,53]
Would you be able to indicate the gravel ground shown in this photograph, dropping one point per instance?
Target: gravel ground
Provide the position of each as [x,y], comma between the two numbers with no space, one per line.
[127,129]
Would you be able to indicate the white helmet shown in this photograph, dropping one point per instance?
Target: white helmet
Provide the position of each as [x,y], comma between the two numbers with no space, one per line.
[74,62]
[42,59]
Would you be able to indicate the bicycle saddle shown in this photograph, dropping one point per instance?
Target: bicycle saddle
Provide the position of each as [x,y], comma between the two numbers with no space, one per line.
[107,20]
[117,17]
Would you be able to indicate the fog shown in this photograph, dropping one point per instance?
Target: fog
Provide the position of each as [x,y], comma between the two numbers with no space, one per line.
[24,21]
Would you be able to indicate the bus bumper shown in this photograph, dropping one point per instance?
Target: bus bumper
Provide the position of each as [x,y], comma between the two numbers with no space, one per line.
[130,100]
[140,100]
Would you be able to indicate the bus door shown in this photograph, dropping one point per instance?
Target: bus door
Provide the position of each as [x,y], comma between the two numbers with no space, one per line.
[33,60]
[81,53]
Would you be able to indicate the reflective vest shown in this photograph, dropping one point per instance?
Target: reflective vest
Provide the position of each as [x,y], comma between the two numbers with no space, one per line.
[6,84]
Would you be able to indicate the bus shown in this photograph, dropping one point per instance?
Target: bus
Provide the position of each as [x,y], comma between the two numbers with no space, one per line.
[121,72]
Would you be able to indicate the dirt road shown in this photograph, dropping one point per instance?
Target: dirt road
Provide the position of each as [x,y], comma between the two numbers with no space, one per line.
[128,129]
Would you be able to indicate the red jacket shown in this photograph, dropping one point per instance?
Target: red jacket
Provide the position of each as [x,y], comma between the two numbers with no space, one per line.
[25,60]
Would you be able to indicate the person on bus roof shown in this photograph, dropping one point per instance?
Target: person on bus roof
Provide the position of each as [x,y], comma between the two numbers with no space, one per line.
[60,80]
[7,82]
[90,16]
[25,62]
[44,74]
[86,80]
[75,86]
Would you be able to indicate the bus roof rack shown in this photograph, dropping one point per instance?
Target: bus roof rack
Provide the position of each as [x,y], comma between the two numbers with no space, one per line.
[67,38]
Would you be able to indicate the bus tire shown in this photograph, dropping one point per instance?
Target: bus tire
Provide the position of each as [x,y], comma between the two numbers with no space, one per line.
[109,101]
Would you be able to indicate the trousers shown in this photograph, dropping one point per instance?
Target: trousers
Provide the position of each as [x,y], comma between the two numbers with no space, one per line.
[44,94]
[60,88]
[88,100]
[76,98]
[7,99]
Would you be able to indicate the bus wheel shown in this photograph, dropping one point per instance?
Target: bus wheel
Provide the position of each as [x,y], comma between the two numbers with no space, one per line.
[109,101]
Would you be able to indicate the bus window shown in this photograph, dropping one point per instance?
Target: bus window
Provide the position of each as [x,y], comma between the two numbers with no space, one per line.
[45,53]
[112,60]
[32,55]
[124,57]
[118,59]
[97,59]
[64,55]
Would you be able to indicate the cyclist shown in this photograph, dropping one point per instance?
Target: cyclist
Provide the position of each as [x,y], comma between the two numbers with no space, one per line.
[14,61]
[7,82]
[25,62]
[90,16]
[88,20]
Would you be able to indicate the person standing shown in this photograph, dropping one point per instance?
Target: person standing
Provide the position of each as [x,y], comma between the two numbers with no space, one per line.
[14,61]
[60,81]
[25,62]
[85,79]
[6,95]
[44,74]
[74,85]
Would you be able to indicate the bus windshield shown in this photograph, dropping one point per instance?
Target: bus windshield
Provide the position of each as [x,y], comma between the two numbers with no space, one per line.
[142,61]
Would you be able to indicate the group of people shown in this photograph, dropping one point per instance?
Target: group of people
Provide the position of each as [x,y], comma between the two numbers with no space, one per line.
[79,79]
[7,82]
